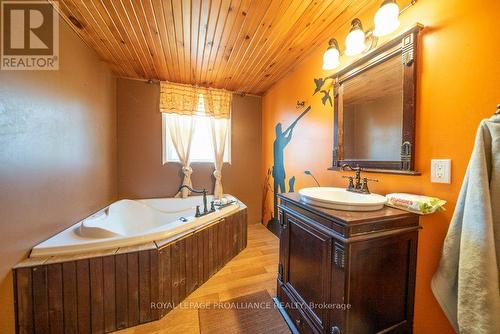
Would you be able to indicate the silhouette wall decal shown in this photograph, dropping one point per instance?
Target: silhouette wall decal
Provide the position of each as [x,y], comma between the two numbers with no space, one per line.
[281,140]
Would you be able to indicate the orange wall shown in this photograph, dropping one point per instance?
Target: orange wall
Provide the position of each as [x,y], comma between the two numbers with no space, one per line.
[459,80]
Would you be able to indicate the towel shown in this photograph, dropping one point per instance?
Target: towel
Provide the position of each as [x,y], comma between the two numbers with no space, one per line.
[466,283]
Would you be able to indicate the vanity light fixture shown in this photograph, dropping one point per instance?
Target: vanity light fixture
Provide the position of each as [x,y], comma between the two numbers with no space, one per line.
[355,40]
[386,18]
[331,57]
[358,41]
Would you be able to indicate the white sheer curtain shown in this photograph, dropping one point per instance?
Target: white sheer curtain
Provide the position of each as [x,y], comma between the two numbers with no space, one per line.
[217,104]
[219,137]
[181,128]
[179,103]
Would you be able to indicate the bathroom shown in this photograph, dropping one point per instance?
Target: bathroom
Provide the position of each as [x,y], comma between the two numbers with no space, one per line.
[87,132]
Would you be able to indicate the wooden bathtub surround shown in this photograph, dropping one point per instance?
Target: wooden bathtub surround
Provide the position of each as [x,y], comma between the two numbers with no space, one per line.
[360,264]
[106,291]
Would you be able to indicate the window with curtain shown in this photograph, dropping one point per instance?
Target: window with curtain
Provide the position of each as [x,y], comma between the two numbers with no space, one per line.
[202,147]
[196,127]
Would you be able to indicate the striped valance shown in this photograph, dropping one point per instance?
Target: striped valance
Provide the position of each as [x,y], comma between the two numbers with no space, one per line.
[193,100]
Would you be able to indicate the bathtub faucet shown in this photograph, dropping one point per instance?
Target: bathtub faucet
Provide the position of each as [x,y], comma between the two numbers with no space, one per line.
[205,207]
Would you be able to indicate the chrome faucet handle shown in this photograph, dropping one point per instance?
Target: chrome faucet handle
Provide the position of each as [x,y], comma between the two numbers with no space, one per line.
[364,187]
[350,186]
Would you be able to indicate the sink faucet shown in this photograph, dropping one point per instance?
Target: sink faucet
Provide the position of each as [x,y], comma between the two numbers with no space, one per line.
[205,208]
[355,184]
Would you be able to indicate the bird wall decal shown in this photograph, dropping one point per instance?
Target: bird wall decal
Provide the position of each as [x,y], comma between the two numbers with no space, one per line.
[326,97]
[319,84]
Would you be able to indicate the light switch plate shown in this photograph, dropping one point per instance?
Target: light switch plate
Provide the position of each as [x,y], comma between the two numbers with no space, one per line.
[441,170]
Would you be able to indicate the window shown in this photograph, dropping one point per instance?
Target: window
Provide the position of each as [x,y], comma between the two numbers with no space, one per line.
[201,146]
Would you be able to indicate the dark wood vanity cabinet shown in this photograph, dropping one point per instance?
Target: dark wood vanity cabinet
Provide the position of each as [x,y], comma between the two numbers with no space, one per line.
[346,272]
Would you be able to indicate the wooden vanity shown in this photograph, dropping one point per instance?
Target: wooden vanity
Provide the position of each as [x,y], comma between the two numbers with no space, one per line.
[346,272]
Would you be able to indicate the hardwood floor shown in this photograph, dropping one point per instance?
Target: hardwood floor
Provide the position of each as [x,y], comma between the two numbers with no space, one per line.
[254,269]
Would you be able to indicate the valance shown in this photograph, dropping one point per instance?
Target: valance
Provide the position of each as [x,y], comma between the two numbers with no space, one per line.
[183,99]
[217,103]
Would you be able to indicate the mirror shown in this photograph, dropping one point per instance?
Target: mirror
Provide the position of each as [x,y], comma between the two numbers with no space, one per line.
[373,113]
[374,120]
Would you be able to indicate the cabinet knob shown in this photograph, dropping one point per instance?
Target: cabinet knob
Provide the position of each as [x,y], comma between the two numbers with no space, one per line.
[335,330]
[298,322]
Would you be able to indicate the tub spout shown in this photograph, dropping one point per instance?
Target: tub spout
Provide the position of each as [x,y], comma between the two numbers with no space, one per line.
[205,206]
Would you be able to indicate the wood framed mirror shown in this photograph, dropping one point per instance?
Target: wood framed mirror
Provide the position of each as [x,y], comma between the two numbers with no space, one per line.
[374,108]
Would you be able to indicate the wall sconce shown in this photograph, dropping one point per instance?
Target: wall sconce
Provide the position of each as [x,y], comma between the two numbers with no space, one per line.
[386,18]
[358,41]
[331,57]
[355,40]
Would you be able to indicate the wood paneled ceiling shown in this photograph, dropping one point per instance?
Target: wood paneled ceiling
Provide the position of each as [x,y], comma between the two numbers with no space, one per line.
[239,45]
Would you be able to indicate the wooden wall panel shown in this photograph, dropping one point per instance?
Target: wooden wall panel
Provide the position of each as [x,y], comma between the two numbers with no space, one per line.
[199,241]
[240,45]
[83,295]
[133,288]
[175,273]
[182,269]
[155,283]
[70,297]
[117,289]
[121,289]
[40,299]
[55,293]
[144,287]
[96,295]
[109,286]
[206,268]
[166,279]
[23,288]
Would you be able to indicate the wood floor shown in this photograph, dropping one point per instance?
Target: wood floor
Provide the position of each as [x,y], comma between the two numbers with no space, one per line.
[254,269]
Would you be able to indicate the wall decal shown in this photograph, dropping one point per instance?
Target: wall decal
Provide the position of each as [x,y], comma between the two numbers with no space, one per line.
[320,83]
[326,97]
[282,139]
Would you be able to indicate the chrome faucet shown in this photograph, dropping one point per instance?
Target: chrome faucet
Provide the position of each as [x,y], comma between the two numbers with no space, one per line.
[205,208]
[355,184]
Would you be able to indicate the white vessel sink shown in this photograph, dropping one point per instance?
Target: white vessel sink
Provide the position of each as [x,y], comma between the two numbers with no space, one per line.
[341,199]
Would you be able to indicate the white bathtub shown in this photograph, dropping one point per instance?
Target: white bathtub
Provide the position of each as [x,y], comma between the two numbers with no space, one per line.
[130,222]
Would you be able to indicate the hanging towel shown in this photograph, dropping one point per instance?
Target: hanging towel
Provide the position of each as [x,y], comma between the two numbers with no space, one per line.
[466,283]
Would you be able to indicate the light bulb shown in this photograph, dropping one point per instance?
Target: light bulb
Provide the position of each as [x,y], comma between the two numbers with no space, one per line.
[355,40]
[331,57]
[386,18]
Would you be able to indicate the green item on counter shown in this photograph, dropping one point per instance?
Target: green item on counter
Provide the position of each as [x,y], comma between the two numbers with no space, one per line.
[422,205]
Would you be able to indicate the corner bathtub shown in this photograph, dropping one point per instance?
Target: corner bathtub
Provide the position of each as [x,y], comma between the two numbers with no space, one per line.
[131,222]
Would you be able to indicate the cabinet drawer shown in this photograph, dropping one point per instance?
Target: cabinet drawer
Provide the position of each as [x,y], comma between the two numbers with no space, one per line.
[299,320]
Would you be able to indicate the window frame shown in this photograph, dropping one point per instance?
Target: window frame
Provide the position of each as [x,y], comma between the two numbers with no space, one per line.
[168,148]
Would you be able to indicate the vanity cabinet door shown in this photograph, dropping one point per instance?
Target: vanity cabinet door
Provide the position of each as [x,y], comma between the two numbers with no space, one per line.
[306,256]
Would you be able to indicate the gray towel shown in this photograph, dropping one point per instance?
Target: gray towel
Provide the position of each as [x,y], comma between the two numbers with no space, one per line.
[466,283]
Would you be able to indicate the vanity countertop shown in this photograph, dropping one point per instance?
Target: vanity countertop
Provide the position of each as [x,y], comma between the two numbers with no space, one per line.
[349,223]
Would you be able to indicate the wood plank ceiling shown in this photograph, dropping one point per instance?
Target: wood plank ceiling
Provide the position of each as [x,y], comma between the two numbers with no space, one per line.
[239,45]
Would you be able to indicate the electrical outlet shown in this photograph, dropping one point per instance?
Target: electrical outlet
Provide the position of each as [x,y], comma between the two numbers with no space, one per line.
[441,170]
